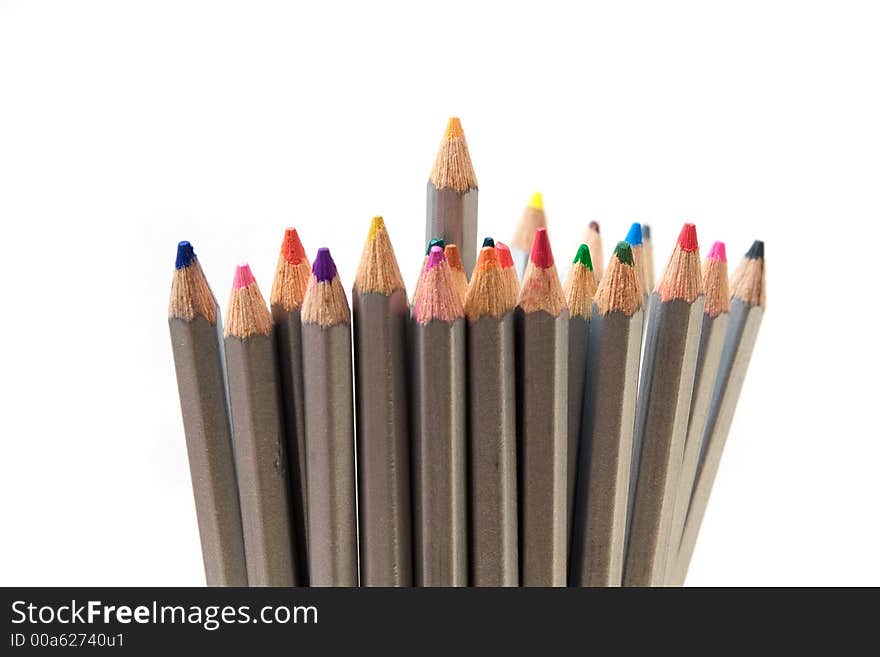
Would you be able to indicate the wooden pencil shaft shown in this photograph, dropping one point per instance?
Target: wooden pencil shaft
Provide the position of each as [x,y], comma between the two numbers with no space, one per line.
[542,442]
[453,217]
[494,559]
[439,453]
[333,552]
[288,335]
[739,343]
[261,460]
[382,439]
[203,404]
[705,375]
[605,455]
[667,379]
[578,338]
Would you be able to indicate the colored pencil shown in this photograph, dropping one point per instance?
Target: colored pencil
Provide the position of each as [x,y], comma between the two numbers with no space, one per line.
[492,426]
[453,257]
[648,257]
[672,341]
[285,300]
[260,445]
[326,345]
[593,239]
[439,426]
[508,268]
[579,288]
[634,239]
[715,316]
[532,219]
[609,407]
[749,298]
[434,241]
[380,323]
[194,323]
[542,433]
[452,195]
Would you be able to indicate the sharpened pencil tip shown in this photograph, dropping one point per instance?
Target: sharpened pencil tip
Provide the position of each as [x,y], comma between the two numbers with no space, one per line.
[542,256]
[504,255]
[594,225]
[488,242]
[292,248]
[453,257]
[634,236]
[582,257]
[646,232]
[537,201]
[243,276]
[687,239]
[435,258]
[324,269]
[488,258]
[435,241]
[185,255]
[453,128]
[376,225]
[756,251]
[623,252]
[718,252]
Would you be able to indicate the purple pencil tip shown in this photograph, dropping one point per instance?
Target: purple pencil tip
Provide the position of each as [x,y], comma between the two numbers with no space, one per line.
[324,269]
[435,257]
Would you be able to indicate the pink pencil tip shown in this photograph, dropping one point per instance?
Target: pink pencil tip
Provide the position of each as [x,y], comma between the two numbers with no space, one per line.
[504,255]
[687,239]
[542,256]
[718,252]
[243,276]
[435,258]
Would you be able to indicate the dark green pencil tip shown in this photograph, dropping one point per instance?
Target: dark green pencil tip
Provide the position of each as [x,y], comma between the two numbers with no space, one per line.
[488,242]
[435,241]
[756,250]
[624,253]
[582,257]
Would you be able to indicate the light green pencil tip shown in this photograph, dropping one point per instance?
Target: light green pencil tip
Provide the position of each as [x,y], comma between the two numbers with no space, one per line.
[582,257]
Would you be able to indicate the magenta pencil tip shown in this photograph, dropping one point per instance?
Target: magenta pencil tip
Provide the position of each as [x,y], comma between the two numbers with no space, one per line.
[243,276]
[435,257]
[718,252]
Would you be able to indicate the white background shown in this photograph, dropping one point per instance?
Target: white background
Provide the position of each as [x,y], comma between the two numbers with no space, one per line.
[125,127]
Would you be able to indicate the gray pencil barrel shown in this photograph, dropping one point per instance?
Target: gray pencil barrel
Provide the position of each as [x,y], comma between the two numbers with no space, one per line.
[453,217]
[542,442]
[439,453]
[739,343]
[493,534]
[706,373]
[382,439]
[203,403]
[578,338]
[671,343]
[289,347]
[261,460]
[333,550]
[605,457]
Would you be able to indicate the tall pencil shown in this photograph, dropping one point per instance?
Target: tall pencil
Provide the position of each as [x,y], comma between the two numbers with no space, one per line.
[194,323]
[285,300]
[380,321]
[439,424]
[749,298]
[593,239]
[667,379]
[532,219]
[579,288]
[715,316]
[634,239]
[326,344]
[648,257]
[260,446]
[492,426]
[542,432]
[452,195]
[453,257]
[508,269]
[609,408]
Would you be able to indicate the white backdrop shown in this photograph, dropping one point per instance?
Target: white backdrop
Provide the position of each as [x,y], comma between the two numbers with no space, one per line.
[125,127]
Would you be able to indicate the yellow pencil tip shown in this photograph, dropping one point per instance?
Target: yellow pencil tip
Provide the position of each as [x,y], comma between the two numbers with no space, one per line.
[453,129]
[375,226]
[537,201]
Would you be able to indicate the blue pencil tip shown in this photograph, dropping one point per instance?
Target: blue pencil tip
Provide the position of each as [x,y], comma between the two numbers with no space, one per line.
[185,255]
[634,236]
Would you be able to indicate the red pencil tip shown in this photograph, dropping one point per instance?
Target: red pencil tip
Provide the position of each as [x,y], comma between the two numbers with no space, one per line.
[243,276]
[542,256]
[504,255]
[718,252]
[687,239]
[292,248]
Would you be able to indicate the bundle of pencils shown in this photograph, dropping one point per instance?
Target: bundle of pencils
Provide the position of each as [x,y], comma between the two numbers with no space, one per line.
[487,432]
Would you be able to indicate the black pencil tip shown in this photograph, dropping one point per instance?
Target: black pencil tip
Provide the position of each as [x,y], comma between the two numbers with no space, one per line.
[488,242]
[756,251]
